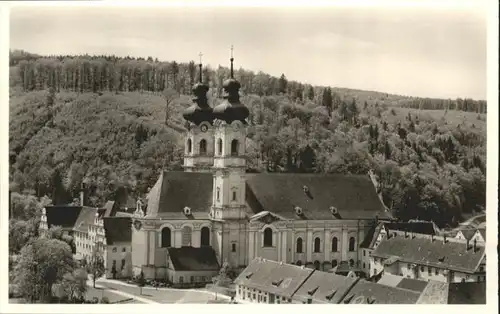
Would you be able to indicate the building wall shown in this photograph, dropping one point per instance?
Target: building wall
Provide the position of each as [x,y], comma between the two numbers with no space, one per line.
[190,277]
[251,295]
[115,254]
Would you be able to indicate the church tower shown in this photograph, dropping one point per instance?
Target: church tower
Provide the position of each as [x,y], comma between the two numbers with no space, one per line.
[199,141]
[229,157]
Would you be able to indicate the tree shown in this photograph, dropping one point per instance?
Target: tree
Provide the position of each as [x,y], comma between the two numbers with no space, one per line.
[310,92]
[282,84]
[42,263]
[169,95]
[222,279]
[74,284]
[95,266]
[327,100]
[141,281]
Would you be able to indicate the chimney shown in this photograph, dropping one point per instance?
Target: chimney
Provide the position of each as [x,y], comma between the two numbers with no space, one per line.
[466,245]
[475,243]
[82,197]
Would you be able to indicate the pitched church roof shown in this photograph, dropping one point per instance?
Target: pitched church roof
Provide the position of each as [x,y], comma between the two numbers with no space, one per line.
[193,259]
[353,195]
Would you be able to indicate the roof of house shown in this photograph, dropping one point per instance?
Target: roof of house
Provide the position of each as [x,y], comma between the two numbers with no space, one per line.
[435,292]
[117,229]
[421,227]
[482,231]
[323,287]
[109,208]
[353,195]
[369,292]
[274,277]
[62,215]
[175,190]
[452,255]
[371,236]
[467,293]
[76,218]
[468,233]
[389,280]
[412,284]
[193,259]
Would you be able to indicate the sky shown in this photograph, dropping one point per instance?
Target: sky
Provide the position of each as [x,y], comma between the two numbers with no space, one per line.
[426,52]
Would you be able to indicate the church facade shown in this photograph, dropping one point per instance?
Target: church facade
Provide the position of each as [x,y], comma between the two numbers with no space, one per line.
[315,220]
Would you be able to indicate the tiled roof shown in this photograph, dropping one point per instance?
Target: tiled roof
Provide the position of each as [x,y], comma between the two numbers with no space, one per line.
[193,259]
[423,251]
[64,216]
[369,292]
[412,284]
[467,293]
[435,292]
[468,233]
[354,196]
[371,237]
[117,229]
[273,277]
[324,287]
[85,218]
[175,190]
[110,208]
[390,280]
[483,232]
[422,227]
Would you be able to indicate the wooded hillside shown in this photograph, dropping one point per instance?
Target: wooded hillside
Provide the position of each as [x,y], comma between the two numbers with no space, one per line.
[104,121]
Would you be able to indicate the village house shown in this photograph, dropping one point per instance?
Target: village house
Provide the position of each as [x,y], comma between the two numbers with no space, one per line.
[430,257]
[85,224]
[266,281]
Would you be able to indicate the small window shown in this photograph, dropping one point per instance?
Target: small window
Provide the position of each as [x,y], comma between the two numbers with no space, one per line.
[124,249]
[352,244]
[335,243]
[422,268]
[299,245]
[437,271]
[234,148]
[429,271]
[123,264]
[189,146]
[268,237]
[203,147]
[219,146]
[351,262]
[234,195]
[364,253]
[317,245]
[114,249]
[181,279]
[233,247]
[192,278]
[364,265]
[218,194]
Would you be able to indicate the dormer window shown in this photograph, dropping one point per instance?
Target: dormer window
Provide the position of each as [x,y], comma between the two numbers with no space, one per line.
[277,282]
[334,210]
[299,211]
[187,211]
[306,189]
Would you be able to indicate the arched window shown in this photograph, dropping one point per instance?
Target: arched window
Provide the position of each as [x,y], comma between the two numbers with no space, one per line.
[234,148]
[268,237]
[317,265]
[299,245]
[334,263]
[203,147]
[205,236]
[189,146]
[186,236]
[218,194]
[335,244]
[166,237]
[234,196]
[352,243]
[317,245]
[351,262]
[219,146]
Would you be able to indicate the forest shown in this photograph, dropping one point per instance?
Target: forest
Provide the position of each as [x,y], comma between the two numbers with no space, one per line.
[114,123]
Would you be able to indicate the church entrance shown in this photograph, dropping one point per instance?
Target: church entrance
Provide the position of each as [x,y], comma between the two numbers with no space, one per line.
[271,298]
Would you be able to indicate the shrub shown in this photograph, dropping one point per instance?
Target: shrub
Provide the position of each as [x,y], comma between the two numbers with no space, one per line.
[105,300]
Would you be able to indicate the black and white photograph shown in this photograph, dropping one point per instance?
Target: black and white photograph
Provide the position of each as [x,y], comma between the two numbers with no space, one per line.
[225,155]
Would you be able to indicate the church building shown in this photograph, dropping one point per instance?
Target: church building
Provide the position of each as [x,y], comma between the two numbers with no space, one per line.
[315,220]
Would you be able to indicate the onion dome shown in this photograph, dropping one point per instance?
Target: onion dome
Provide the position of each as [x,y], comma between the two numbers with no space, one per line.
[231,109]
[200,111]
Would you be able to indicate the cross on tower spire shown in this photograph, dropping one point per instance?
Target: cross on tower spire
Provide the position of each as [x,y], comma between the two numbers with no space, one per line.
[232,59]
[201,78]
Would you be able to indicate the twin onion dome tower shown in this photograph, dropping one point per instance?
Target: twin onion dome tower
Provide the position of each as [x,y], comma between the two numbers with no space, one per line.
[231,109]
